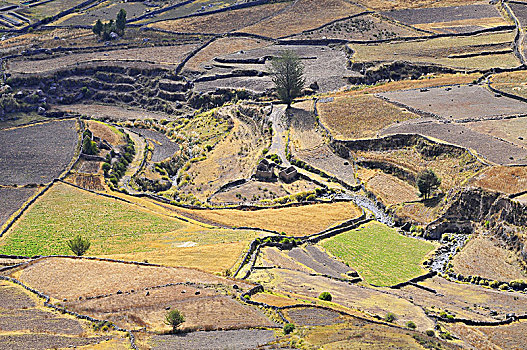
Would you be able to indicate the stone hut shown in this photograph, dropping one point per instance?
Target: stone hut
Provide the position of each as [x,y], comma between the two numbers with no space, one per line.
[289,174]
[264,170]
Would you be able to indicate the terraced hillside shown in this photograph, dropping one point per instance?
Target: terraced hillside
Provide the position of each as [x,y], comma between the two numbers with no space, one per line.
[150,165]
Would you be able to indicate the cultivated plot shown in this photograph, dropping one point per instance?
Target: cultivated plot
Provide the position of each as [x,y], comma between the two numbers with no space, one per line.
[12,199]
[462,102]
[36,154]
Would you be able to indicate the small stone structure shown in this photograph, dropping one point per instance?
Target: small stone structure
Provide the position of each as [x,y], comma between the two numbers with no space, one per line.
[288,174]
[264,170]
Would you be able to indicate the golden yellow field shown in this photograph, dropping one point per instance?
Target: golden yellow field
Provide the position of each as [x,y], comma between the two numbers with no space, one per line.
[360,116]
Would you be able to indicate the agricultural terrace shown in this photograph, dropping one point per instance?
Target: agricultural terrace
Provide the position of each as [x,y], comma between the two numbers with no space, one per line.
[389,189]
[511,82]
[382,5]
[483,256]
[106,132]
[302,15]
[363,27]
[36,154]
[120,229]
[164,55]
[445,51]
[511,130]
[221,22]
[380,255]
[191,8]
[359,116]
[27,324]
[450,19]
[509,180]
[297,220]
[104,11]
[457,102]
[11,200]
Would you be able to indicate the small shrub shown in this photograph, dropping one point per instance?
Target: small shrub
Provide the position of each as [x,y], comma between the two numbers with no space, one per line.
[325,296]
[390,317]
[411,325]
[430,332]
[79,245]
[288,328]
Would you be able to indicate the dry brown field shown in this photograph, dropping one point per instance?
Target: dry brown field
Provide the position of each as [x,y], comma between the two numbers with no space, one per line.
[423,213]
[360,116]
[11,200]
[439,51]
[509,180]
[391,190]
[67,278]
[164,55]
[302,15]
[404,4]
[111,112]
[106,132]
[297,221]
[483,256]
[510,130]
[224,22]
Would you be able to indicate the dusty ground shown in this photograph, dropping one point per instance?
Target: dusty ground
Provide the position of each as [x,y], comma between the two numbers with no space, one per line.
[509,180]
[11,200]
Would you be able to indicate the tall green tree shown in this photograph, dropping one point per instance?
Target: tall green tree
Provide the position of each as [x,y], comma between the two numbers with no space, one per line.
[174,318]
[287,72]
[120,22]
[97,27]
[427,183]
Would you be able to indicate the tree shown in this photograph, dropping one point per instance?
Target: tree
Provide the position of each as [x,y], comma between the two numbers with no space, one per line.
[174,318]
[89,146]
[287,72]
[120,22]
[97,27]
[427,183]
[288,328]
[78,245]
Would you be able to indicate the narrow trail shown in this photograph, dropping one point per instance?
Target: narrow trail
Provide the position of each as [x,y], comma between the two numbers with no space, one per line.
[279,133]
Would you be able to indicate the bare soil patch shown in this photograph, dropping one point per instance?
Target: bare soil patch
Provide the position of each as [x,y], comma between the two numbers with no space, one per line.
[44,341]
[163,146]
[314,317]
[319,261]
[111,112]
[495,150]
[217,340]
[359,116]
[12,199]
[403,4]
[252,191]
[510,130]
[72,278]
[90,182]
[483,256]
[460,102]
[38,153]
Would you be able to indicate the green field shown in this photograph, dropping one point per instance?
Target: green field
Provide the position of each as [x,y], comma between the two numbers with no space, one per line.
[112,226]
[380,255]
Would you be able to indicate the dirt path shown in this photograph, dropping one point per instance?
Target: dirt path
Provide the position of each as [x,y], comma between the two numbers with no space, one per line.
[136,163]
[277,118]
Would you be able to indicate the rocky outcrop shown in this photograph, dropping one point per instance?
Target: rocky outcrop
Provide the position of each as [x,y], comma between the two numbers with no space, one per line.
[471,207]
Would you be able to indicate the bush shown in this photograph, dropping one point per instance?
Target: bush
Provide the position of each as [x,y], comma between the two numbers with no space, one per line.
[288,328]
[390,317]
[79,245]
[411,324]
[325,296]
[174,318]
[89,146]
[430,332]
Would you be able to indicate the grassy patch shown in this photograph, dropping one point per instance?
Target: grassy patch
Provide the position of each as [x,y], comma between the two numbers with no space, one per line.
[380,254]
[118,229]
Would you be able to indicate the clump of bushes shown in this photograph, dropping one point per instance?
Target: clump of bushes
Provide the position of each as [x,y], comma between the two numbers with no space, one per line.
[390,317]
[411,325]
[326,296]
[289,328]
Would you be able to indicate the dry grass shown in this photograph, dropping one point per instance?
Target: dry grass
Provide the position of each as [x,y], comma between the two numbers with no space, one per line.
[360,116]
[274,299]
[424,82]
[418,212]
[298,221]
[106,132]
[222,47]
[303,15]
[404,4]
[503,179]
[511,130]
[391,190]
[67,278]
[437,51]
[512,336]
[442,27]
[484,257]
[221,22]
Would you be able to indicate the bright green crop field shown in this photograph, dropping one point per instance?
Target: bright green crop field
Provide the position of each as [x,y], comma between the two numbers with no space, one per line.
[380,255]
